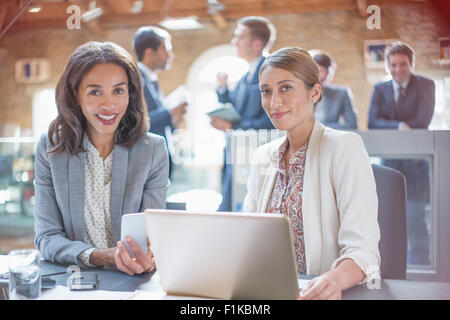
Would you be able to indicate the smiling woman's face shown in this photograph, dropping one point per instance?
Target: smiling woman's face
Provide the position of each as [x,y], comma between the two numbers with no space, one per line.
[103,98]
[286,99]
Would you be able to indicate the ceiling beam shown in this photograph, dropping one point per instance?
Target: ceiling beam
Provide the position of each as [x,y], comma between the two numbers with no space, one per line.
[120,7]
[362,7]
[233,11]
[3,10]
[219,19]
[237,10]
[40,24]
[21,11]
[95,27]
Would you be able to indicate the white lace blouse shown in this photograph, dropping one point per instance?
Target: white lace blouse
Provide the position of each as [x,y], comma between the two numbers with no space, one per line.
[97,194]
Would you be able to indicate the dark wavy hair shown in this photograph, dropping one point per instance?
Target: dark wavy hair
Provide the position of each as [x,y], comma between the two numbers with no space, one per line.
[67,131]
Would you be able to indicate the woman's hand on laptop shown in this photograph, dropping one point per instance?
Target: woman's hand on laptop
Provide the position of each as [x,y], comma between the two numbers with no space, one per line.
[141,262]
[330,285]
[321,288]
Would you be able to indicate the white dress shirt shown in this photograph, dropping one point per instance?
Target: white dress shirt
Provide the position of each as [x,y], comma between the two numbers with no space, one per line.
[253,66]
[396,86]
[149,73]
[97,195]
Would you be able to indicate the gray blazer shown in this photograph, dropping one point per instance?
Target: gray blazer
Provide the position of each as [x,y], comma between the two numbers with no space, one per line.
[336,102]
[139,181]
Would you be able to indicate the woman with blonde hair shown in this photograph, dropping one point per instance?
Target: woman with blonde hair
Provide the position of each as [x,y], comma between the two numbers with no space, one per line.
[320,178]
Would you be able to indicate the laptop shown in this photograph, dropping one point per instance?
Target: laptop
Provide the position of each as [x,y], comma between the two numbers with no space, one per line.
[223,255]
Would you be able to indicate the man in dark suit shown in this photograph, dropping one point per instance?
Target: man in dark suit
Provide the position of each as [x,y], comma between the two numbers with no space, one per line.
[253,37]
[154,51]
[407,102]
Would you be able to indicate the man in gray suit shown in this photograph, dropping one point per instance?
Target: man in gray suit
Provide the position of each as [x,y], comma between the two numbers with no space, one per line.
[336,108]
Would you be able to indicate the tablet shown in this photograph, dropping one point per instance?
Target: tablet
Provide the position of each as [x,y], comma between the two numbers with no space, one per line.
[133,225]
[226,112]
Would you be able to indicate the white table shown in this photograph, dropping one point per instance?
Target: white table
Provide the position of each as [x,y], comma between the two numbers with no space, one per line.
[147,286]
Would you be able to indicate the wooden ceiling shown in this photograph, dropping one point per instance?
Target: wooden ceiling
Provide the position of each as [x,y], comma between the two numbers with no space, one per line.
[15,15]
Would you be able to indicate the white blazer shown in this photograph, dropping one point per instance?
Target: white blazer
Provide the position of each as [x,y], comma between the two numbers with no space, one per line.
[340,204]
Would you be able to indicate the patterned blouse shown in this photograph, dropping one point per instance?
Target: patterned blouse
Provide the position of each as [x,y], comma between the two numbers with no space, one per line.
[97,194]
[287,196]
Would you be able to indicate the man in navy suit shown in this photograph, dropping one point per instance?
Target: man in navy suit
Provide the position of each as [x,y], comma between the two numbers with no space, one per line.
[407,102]
[154,51]
[253,37]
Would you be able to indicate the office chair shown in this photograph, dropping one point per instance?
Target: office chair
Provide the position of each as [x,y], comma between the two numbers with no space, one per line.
[391,190]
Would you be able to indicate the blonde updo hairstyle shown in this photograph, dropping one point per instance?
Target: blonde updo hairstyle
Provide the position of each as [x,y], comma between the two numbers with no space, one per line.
[298,62]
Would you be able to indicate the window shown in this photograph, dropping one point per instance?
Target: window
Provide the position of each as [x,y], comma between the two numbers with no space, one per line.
[44,111]
[17,175]
[207,142]
[199,147]
[441,116]
[417,172]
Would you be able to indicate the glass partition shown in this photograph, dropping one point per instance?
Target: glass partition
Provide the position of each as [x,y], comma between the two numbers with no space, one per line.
[417,172]
[422,156]
[190,183]
[16,193]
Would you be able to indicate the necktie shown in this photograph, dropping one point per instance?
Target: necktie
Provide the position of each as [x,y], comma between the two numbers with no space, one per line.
[240,93]
[402,91]
[156,87]
[155,94]
[401,94]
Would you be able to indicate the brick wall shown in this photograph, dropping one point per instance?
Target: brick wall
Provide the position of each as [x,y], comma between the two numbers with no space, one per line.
[342,33]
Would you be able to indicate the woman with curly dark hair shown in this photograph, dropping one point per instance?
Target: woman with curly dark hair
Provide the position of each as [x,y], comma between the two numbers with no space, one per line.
[97,163]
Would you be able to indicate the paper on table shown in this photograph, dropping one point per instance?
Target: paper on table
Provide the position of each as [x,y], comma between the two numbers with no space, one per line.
[176,97]
[302,283]
[64,293]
